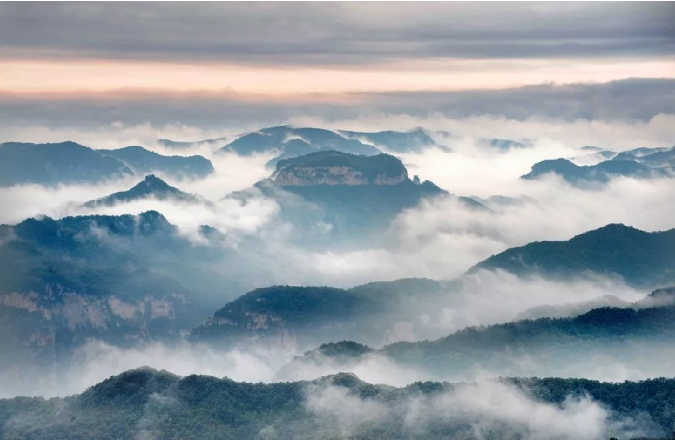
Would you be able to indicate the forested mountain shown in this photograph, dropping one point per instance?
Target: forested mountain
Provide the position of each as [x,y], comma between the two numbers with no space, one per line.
[152,187]
[640,258]
[307,316]
[545,346]
[52,164]
[143,161]
[639,163]
[121,279]
[146,403]
[291,142]
[414,140]
[602,172]
[72,163]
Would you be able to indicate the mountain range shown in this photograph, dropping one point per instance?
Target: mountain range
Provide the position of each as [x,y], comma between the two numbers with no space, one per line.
[143,161]
[291,141]
[293,315]
[129,278]
[133,279]
[414,140]
[639,163]
[120,279]
[72,163]
[52,164]
[303,317]
[544,346]
[146,403]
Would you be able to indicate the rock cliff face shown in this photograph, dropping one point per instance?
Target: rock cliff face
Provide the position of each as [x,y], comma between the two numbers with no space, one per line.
[335,168]
[338,175]
[44,333]
[55,320]
[79,312]
[346,199]
[285,316]
[110,278]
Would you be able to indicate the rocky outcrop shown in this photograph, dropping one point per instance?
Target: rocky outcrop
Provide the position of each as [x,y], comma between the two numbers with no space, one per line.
[338,175]
[48,321]
[333,168]
[152,187]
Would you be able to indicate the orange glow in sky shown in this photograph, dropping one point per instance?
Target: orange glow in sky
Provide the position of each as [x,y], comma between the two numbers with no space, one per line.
[22,76]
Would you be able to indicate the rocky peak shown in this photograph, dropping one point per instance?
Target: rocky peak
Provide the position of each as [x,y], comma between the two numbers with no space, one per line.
[151,186]
[152,183]
[336,168]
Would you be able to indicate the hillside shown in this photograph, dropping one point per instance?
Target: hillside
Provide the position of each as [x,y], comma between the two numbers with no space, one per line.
[296,142]
[52,164]
[633,336]
[150,187]
[414,140]
[543,338]
[640,258]
[307,316]
[146,403]
[143,161]
[72,163]
[654,165]
[121,279]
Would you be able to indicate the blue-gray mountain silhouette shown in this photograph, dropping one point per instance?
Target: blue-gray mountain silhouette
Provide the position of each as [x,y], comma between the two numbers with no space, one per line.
[143,161]
[150,187]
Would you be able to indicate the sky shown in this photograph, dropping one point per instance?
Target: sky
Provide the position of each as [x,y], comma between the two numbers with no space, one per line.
[220,65]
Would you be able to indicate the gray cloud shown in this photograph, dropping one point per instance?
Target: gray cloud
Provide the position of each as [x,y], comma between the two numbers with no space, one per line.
[334,32]
[630,99]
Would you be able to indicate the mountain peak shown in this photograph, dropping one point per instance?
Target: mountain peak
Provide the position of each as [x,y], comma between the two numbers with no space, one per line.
[639,257]
[337,168]
[150,186]
[154,182]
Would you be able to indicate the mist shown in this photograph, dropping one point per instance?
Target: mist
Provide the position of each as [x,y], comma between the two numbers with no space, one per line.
[96,361]
[439,239]
[485,298]
[474,411]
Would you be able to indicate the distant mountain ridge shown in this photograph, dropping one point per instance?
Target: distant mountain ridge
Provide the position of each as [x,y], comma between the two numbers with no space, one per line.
[290,315]
[72,163]
[143,161]
[640,258]
[414,140]
[639,163]
[52,164]
[187,144]
[291,142]
[150,187]
[503,349]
